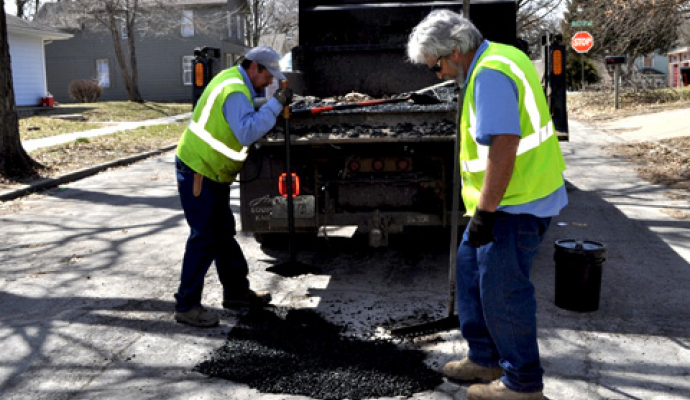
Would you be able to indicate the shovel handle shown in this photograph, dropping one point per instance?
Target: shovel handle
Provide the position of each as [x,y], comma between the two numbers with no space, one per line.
[286,109]
[367,103]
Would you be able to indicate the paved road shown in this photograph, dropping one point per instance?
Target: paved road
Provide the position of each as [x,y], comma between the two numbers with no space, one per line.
[89,271]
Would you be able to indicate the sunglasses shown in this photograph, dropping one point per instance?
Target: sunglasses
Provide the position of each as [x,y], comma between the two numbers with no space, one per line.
[436,68]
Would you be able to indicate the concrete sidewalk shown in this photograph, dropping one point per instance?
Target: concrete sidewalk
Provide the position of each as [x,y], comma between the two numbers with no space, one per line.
[652,126]
[33,144]
[89,272]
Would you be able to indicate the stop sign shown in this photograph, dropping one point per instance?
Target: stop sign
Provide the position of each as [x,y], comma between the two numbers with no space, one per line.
[582,42]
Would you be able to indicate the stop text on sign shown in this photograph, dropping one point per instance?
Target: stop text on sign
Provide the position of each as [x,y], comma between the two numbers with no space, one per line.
[582,42]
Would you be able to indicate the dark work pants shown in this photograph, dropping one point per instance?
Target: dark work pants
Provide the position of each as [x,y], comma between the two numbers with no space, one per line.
[212,238]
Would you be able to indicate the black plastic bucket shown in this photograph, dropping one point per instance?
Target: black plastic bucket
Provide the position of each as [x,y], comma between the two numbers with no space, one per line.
[579,265]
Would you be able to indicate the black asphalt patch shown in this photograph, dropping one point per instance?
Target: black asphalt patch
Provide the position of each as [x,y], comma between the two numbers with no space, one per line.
[296,352]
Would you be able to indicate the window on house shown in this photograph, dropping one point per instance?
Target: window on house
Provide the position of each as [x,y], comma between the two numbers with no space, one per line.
[187,23]
[648,61]
[240,27]
[229,22]
[103,71]
[187,70]
[230,59]
[123,29]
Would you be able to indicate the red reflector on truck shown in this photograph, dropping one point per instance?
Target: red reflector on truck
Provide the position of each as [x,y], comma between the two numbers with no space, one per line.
[378,165]
[353,166]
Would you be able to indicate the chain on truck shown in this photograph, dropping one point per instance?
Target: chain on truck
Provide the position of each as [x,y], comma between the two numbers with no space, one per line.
[380,169]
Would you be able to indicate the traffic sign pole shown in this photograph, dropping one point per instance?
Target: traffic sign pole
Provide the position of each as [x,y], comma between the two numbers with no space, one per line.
[582,70]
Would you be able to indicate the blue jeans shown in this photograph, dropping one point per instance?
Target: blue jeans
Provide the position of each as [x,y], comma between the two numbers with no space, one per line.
[496,302]
[212,238]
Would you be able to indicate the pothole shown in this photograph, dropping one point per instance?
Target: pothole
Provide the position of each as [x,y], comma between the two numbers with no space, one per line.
[288,351]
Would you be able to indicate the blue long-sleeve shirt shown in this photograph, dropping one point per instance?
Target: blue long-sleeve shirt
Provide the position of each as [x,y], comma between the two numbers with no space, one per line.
[248,124]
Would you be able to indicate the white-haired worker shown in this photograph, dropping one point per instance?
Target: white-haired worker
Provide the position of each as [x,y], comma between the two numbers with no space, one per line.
[512,176]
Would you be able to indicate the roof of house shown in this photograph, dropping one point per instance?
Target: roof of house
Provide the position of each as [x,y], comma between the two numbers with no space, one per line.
[650,71]
[679,50]
[31,28]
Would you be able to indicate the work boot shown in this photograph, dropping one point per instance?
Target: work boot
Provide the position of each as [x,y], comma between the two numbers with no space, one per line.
[496,390]
[467,371]
[198,316]
[249,298]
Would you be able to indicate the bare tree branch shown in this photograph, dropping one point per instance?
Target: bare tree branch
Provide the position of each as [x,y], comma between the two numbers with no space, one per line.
[271,16]
[535,17]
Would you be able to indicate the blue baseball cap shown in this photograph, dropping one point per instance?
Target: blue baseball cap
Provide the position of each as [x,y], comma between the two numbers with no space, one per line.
[267,57]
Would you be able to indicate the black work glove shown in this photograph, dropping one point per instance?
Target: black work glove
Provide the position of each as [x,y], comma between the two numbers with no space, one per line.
[284,96]
[481,230]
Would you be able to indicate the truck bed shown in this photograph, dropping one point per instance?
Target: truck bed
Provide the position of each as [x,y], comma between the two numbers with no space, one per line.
[376,124]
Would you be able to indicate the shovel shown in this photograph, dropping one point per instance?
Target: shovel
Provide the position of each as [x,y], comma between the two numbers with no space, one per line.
[450,321]
[417,98]
[292,267]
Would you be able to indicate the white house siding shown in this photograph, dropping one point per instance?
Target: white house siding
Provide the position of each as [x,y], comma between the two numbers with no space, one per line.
[28,69]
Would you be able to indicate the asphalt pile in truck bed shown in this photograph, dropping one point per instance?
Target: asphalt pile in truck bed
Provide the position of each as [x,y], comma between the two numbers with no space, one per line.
[317,126]
[289,351]
[447,97]
[367,130]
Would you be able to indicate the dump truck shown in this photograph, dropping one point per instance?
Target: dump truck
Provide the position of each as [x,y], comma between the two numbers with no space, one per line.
[375,170]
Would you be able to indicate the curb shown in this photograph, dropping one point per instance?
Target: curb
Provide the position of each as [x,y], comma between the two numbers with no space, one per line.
[50,183]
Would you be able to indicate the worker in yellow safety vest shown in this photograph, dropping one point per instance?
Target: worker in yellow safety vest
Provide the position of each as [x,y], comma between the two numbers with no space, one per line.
[512,176]
[209,156]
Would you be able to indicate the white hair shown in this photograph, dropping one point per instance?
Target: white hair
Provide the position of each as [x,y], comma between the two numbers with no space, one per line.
[439,34]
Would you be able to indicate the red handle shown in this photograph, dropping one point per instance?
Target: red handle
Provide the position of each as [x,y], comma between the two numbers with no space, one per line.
[317,110]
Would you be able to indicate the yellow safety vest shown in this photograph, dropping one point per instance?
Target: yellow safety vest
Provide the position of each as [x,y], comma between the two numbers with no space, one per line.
[539,165]
[208,145]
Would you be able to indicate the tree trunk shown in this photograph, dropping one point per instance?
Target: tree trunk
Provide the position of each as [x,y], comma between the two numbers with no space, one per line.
[14,162]
[115,32]
[133,51]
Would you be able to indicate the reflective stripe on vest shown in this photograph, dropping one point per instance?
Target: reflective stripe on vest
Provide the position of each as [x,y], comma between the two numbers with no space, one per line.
[199,127]
[528,143]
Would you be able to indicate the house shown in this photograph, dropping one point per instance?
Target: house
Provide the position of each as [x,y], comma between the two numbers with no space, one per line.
[648,78]
[165,40]
[27,41]
[677,59]
[651,70]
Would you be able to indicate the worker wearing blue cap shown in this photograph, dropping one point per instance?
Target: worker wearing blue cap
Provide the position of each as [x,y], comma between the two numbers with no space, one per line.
[210,154]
